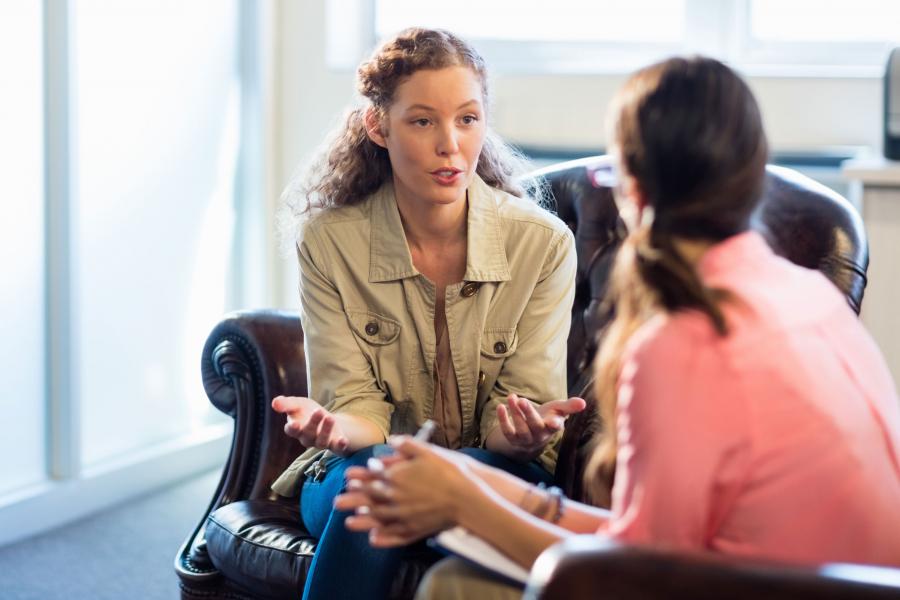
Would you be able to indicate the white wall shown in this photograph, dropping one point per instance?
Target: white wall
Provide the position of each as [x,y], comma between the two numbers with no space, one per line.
[546,110]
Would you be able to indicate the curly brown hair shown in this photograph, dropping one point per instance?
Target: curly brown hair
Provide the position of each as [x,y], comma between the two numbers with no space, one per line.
[352,166]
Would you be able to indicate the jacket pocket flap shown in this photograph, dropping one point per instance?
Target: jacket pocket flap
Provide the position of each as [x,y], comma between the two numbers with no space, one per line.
[373,328]
[499,342]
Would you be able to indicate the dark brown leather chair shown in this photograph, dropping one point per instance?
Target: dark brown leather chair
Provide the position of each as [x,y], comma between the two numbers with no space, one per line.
[249,543]
[586,567]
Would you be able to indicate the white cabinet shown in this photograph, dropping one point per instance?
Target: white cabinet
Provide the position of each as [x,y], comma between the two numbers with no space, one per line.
[879,180]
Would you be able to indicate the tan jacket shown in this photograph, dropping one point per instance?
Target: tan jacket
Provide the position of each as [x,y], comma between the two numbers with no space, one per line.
[368,316]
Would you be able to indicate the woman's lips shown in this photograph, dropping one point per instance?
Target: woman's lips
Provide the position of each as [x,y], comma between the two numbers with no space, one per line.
[446,176]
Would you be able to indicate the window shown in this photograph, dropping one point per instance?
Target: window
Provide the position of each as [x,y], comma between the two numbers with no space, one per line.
[157,150]
[130,145]
[820,37]
[22,407]
[805,37]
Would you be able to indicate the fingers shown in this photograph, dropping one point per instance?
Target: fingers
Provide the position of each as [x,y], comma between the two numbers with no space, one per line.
[361,523]
[564,408]
[392,459]
[326,437]
[379,538]
[318,430]
[396,534]
[409,447]
[521,423]
[533,419]
[505,421]
[382,535]
[576,404]
[323,436]
[523,432]
[289,404]
[351,500]
[340,445]
[306,432]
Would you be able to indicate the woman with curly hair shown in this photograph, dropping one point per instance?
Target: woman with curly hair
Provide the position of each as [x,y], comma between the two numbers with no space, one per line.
[431,287]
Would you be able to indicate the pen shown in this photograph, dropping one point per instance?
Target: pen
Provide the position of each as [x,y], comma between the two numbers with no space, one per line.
[425,431]
[422,435]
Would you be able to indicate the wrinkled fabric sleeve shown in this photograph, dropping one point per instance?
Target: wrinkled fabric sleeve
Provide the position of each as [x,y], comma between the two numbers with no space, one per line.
[537,369]
[339,376]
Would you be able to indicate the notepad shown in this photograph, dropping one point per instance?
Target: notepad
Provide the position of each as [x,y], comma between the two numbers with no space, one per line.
[472,548]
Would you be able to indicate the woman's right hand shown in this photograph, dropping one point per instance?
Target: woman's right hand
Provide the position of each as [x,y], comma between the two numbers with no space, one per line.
[311,424]
[416,492]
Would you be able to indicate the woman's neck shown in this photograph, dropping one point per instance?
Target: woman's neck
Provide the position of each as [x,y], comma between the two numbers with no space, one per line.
[428,225]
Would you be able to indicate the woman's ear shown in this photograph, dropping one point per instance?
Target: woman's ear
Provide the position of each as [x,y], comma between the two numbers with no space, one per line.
[631,202]
[374,127]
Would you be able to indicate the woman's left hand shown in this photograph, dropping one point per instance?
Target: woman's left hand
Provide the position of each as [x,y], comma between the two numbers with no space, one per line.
[418,493]
[528,428]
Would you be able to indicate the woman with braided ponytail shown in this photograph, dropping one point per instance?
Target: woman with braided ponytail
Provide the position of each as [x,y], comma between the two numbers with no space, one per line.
[753,413]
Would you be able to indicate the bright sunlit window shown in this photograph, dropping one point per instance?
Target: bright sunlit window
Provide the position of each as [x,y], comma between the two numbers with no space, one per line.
[825,21]
[767,37]
[22,407]
[157,148]
[538,20]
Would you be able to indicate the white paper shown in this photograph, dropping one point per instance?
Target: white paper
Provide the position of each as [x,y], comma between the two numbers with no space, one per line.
[471,547]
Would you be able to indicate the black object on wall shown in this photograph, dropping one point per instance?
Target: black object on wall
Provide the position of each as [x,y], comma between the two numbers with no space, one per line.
[892,106]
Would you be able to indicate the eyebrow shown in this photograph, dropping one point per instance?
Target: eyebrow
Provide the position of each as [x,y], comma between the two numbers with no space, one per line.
[432,109]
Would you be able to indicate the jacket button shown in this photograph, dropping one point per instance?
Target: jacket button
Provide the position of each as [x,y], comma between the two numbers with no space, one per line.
[499,348]
[469,290]
[480,378]
[372,328]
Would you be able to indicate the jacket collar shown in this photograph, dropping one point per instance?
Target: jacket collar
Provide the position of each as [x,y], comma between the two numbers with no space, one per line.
[389,257]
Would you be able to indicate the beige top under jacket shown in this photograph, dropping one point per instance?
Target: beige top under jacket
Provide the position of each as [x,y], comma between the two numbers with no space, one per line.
[368,316]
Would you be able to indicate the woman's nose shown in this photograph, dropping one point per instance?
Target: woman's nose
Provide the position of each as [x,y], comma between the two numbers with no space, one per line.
[447,142]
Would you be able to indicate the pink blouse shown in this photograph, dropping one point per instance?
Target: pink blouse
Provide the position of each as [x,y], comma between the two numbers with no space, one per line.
[780,440]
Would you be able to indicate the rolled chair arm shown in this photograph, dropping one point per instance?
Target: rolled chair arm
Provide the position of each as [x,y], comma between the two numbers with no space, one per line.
[590,566]
[248,359]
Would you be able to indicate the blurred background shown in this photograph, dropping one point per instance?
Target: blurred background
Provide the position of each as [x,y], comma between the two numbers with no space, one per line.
[144,145]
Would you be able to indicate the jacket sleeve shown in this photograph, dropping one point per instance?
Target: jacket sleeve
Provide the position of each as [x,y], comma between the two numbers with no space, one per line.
[338,375]
[537,369]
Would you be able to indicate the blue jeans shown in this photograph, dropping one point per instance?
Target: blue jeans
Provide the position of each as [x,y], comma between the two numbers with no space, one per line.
[345,567]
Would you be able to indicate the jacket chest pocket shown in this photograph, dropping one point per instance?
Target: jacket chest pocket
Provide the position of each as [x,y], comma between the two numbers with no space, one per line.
[377,337]
[497,344]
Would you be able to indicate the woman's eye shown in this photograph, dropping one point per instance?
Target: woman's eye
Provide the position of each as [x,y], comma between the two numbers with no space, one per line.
[469,119]
[421,122]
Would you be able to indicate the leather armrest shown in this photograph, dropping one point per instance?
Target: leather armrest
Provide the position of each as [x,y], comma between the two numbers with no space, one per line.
[248,359]
[586,566]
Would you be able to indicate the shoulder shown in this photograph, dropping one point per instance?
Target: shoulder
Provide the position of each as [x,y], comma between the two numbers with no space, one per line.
[320,221]
[526,214]
[673,348]
[336,215]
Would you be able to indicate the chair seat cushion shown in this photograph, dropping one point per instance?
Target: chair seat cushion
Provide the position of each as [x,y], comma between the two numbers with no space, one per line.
[262,546]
